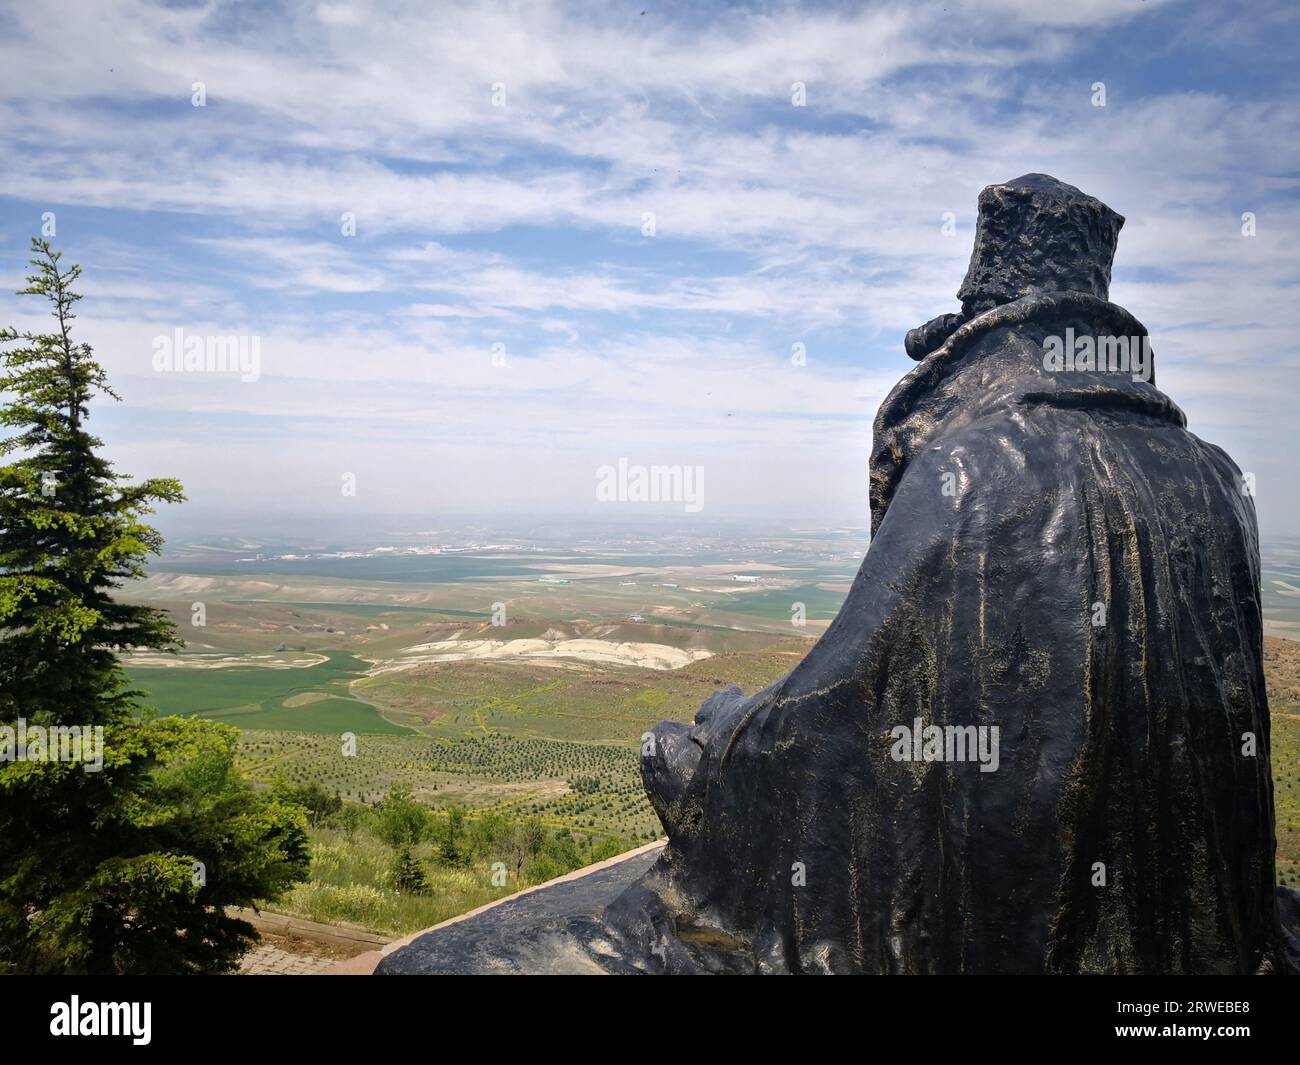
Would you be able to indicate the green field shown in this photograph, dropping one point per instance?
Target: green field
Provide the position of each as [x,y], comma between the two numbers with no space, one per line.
[255,698]
[587,705]
[819,604]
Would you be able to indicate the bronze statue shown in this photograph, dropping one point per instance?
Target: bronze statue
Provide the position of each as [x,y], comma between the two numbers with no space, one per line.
[1036,737]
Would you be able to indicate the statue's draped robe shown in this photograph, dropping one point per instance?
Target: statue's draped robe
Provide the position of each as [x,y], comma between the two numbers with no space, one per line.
[1121,744]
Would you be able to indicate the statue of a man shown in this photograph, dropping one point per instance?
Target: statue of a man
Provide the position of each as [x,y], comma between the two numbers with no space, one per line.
[1036,737]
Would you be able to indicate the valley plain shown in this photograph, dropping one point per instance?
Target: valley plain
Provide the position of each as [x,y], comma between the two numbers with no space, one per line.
[512,677]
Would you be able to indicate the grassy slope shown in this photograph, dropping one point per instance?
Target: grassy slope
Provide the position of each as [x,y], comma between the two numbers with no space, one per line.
[349,884]
[568,702]
[1282,671]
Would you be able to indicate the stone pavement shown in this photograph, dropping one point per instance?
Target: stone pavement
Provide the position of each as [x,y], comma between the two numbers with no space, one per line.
[295,946]
[267,960]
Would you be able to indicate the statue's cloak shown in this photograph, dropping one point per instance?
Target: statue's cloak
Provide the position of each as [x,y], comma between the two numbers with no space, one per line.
[1128,826]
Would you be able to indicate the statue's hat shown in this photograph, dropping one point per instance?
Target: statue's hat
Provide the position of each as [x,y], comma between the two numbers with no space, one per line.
[1038,234]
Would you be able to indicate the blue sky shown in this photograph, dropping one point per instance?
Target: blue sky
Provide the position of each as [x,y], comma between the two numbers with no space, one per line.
[522,225]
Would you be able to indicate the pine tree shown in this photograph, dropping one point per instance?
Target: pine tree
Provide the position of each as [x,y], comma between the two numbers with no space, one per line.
[71,529]
[408,874]
[127,867]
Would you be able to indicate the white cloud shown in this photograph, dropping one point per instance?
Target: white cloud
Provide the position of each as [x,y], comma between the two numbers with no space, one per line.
[522,224]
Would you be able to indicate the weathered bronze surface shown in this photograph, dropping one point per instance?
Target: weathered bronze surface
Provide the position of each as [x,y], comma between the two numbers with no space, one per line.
[1053,556]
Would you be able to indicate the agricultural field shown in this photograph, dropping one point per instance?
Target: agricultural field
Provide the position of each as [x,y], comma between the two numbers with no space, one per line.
[548,724]
[565,702]
[517,689]
[316,698]
[590,789]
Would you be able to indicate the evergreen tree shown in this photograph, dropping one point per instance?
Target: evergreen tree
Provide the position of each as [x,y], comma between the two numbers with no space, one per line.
[319,803]
[408,873]
[450,847]
[71,529]
[126,867]
[400,820]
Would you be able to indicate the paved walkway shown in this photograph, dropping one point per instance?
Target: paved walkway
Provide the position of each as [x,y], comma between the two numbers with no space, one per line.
[272,961]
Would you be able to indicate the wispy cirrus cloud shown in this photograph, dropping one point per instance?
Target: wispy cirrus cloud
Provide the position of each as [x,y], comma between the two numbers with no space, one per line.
[630,214]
